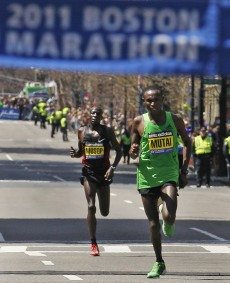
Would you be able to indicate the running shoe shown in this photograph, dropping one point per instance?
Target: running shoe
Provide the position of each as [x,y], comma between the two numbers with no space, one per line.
[94,250]
[168,229]
[157,270]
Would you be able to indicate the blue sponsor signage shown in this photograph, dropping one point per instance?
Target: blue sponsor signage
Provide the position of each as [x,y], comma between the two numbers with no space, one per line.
[8,113]
[117,36]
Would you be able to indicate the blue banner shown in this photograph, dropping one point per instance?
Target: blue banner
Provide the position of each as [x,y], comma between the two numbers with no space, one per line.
[8,113]
[117,36]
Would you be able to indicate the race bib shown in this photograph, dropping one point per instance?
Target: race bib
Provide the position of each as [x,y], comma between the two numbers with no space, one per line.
[160,142]
[94,151]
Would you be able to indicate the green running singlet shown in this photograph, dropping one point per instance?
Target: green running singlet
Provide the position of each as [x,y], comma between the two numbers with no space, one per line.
[158,157]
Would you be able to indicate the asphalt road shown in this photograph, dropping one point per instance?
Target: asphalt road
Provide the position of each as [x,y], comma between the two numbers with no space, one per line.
[43,233]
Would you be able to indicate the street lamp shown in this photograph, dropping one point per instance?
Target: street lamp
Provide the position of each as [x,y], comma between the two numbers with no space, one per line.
[139,94]
[125,107]
[36,71]
[192,103]
[201,102]
[111,102]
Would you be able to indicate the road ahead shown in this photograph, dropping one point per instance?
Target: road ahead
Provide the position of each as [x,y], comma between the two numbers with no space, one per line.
[43,233]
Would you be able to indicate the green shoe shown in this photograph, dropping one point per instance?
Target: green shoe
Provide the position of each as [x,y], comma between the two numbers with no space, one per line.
[157,270]
[168,229]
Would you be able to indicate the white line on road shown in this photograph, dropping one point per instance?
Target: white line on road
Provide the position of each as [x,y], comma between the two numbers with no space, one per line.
[128,248]
[86,245]
[113,195]
[125,172]
[1,238]
[34,253]
[192,186]
[13,249]
[208,234]
[128,201]
[141,207]
[72,277]
[116,249]
[9,157]
[59,178]
[6,140]
[23,181]
[47,262]
[217,249]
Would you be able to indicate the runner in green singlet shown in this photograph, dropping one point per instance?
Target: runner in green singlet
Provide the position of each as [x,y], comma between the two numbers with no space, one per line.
[154,141]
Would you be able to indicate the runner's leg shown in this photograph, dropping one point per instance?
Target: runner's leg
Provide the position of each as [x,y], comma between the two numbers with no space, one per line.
[150,206]
[103,194]
[90,193]
[169,198]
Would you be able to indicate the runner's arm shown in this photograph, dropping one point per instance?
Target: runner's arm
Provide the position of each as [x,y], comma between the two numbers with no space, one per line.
[115,145]
[79,152]
[179,123]
[135,138]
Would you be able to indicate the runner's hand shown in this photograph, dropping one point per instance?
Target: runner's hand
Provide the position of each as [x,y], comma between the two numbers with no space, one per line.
[72,152]
[183,181]
[134,150]
[109,174]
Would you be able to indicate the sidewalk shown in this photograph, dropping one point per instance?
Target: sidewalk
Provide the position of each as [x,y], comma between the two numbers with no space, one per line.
[215,180]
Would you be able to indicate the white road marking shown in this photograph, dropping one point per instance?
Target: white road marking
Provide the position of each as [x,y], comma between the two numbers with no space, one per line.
[208,234]
[128,201]
[121,248]
[1,238]
[192,186]
[9,157]
[4,140]
[85,244]
[217,249]
[140,252]
[34,253]
[141,207]
[113,195]
[13,249]
[72,277]
[59,178]
[125,172]
[116,249]
[23,181]
[47,262]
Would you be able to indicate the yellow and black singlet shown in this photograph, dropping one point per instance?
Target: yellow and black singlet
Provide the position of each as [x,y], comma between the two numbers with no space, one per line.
[96,150]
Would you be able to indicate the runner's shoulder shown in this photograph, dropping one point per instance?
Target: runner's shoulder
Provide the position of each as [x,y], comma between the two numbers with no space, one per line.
[137,120]
[177,118]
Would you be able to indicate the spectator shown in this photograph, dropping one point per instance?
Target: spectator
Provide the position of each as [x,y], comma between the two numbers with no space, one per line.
[203,150]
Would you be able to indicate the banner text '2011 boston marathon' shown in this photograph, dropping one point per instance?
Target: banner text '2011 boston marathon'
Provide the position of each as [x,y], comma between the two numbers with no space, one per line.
[116,36]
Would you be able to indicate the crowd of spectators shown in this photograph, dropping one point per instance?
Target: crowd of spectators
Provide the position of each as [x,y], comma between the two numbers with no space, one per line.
[17,102]
[79,116]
